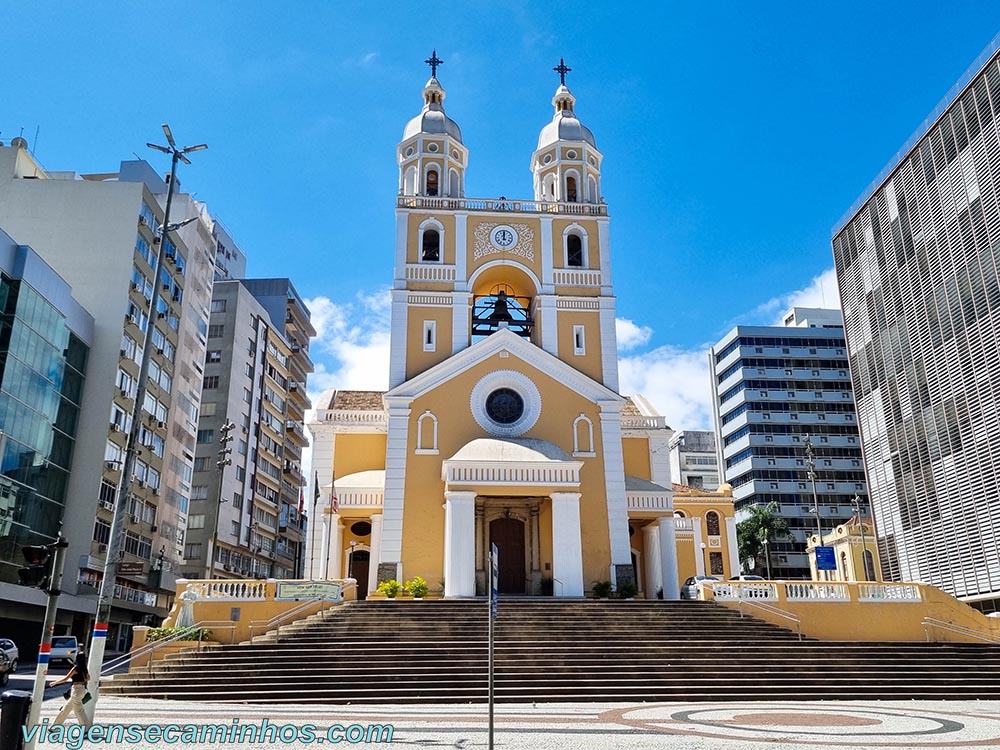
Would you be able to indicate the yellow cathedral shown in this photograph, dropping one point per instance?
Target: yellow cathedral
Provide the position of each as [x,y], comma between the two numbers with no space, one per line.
[503,423]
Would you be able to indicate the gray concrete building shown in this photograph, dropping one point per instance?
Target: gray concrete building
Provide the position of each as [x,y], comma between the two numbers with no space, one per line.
[98,232]
[694,459]
[917,259]
[248,517]
[772,386]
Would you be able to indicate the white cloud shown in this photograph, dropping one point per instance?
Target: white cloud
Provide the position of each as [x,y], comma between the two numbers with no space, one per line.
[631,335]
[676,381]
[822,291]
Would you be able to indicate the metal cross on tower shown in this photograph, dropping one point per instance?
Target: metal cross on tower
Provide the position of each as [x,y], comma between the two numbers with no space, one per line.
[562,70]
[433,61]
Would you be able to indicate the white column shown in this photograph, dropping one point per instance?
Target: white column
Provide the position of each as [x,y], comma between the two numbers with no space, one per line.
[459,544]
[609,343]
[734,553]
[614,482]
[668,558]
[395,482]
[659,457]
[397,337]
[651,545]
[567,549]
[699,553]
[324,544]
[336,550]
[550,325]
[461,252]
[604,237]
[375,549]
[547,256]
[460,332]
[402,219]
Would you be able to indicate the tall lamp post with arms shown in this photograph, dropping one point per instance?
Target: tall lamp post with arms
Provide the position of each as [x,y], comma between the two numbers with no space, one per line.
[225,438]
[98,641]
[811,464]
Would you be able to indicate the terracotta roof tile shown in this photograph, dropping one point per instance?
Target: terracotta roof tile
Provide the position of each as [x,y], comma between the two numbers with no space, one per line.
[629,408]
[358,401]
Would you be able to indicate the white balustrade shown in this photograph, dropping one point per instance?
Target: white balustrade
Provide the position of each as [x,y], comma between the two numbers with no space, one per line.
[643,423]
[576,277]
[430,272]
[371,498]
[236,591]
[889,592]
[683,524]
[368,418]
[817,592]
[656,501]
[497,204]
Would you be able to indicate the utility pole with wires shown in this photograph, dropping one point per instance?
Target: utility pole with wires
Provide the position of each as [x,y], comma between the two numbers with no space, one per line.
[99,637]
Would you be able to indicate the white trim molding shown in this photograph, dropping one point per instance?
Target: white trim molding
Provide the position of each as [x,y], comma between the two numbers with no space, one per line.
[579,450]
[567,545]
[433,448]
[459,544]
[517,382]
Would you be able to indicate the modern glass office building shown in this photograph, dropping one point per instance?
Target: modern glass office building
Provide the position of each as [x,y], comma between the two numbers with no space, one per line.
[917,259]
[44,342]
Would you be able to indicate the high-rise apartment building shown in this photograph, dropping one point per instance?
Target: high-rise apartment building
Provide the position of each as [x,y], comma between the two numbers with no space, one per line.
[45,338]
[256,365]
[694,459]
[917,259]
[98,231]
[772,386]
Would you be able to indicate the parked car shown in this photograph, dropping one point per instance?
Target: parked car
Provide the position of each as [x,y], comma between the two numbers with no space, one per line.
[64,648]
[691,588]
[748,578]
[5,670]
[9,649]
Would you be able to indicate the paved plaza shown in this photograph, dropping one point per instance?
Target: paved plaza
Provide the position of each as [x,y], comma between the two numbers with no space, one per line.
[708,726]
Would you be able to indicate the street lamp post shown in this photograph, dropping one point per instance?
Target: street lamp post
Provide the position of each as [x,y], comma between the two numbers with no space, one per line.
[811,463]
[98,641]
[704,558]
[856,502]
[767,558]
[225,438]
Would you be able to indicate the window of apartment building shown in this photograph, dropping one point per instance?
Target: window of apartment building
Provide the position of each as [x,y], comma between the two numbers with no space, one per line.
[213,356]
[199,492]
[206,436]
[238,501]
[218,305]
[201,463]
[208,408]
[241,447]
[216,331]
[113,454]
[102,531]
[210,382]
[234,528]
[196,521]
[240,473]
[247,395]
[192,551]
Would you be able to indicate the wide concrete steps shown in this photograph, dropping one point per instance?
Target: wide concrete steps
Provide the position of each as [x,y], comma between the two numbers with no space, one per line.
[548,650]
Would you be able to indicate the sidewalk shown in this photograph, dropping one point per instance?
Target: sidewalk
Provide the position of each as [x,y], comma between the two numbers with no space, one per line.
[701,726]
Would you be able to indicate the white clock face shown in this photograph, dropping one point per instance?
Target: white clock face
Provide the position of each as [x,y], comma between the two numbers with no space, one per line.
[503,237]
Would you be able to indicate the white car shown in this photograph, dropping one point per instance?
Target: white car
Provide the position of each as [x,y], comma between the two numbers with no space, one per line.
[64,648]
[691,588]
[10,650]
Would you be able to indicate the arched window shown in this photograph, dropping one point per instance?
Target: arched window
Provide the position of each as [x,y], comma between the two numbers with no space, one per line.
[549,187]
[583,436]
[574,251]
[592,196]
[869,559]
[427,433]
[844,574]
[410,181]
[454,184]
[679,514]
[571,194]
[431,246]
[432,182]
[712,523]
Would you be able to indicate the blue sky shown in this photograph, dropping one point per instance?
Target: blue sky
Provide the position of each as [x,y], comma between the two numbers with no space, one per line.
[734,134]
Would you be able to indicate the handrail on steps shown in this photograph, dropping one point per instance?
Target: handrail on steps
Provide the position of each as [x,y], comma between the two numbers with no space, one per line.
[933,622]
[148,648]
[774,611]
[278,619]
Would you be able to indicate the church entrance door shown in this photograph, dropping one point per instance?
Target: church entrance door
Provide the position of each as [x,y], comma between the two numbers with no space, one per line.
[359,571]
[508,535]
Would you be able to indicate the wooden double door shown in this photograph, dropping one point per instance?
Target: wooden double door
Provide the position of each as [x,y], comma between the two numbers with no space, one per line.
[509,537]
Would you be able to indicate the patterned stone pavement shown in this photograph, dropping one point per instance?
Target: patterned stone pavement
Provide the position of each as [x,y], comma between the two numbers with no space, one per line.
[703,726]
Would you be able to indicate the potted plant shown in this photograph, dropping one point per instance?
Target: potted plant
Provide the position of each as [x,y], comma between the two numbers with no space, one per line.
[417,587]
[627,590]
[390,588]
[548,586]
[601,589]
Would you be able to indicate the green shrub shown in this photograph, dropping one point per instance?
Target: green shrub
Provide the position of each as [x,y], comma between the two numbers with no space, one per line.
[627,591]
[187,634]
[390,588]
[417,587]
[601,589]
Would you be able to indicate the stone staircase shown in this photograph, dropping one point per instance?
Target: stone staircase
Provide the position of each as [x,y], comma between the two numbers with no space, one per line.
[559,650]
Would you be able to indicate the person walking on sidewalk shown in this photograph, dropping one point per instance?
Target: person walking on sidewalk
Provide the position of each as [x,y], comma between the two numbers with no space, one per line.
[79,676]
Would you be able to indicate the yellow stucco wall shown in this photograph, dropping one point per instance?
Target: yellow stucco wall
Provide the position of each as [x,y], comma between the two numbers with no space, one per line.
[588,363]
[417,359]
[423,515]
[354,452]
[636,454]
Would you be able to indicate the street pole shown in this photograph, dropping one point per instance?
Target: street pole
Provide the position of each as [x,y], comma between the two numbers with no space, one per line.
[864,546]
[98,640]
[767,559]
[811,463]
[51,607]
[225,438]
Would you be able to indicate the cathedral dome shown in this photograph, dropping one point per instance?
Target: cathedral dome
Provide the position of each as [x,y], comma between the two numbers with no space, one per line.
[564,126]
[432,119]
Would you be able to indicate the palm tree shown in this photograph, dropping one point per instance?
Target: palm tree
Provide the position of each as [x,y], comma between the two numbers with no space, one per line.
[762,523]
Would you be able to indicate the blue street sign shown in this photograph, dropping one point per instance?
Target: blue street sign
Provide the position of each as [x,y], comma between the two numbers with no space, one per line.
[494,574]
[825,558]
